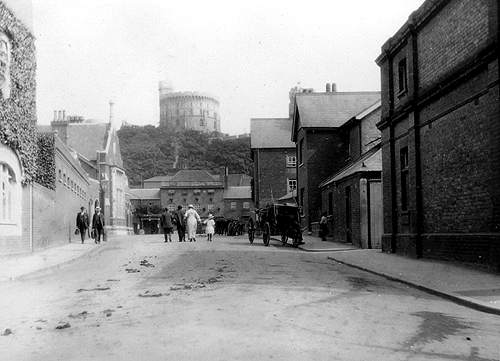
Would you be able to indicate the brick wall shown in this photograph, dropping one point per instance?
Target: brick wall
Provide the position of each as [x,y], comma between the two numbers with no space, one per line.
[325,154]
[186,196]
[271,174]
[239,212]
[458,31]
[369,130]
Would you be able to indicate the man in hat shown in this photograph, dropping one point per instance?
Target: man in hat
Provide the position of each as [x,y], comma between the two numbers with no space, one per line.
[166,224]
[82,222]
[179,222]
[98,224]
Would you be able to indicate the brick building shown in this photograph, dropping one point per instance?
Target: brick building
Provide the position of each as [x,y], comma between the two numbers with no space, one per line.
[97,148]
[352,197]
[320,143]
[274,159]
[441,134]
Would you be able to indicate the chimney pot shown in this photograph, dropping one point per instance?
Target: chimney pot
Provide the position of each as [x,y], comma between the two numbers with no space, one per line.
[64,114]
[328,87]
[334,87]
[55,115]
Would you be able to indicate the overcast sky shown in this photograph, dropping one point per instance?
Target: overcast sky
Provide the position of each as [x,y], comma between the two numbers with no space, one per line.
[248,54]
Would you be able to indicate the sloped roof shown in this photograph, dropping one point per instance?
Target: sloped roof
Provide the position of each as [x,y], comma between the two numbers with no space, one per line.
[326,110]
[145,193]
[244,192]
[88,138]
[159,178]
[370,162]
[44,128]
[270,133]
[238,180]
[193,175]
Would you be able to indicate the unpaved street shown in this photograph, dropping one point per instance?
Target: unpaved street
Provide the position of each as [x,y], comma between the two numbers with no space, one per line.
[138,298]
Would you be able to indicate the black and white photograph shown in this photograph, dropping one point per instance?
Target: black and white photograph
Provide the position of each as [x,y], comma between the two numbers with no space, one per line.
[249,180]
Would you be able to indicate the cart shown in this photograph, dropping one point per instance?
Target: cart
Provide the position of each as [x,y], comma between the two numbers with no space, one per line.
[277,219]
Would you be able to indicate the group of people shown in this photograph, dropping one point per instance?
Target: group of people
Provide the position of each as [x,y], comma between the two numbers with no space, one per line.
[82,225]
[185,222]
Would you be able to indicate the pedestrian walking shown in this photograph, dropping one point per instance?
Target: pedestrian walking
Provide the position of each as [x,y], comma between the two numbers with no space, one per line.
[98,225]
[210,229]
[82,223]
[323,227]
[166,224]
[191,219]
[179,223]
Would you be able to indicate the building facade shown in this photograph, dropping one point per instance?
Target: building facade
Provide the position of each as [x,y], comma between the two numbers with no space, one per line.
[274,159]
[320,143]
[352,197]
[188,110]
[441,135]
[97,148]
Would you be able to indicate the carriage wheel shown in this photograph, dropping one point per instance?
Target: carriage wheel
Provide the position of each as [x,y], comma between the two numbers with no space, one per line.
[296,242]
[284,239]
[266,234]
[251,235]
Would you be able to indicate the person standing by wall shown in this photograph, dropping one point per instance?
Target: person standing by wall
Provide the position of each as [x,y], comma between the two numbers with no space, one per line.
[98,225]
[179,222]
[192,218]
[323,227]
[82,223]
[166,224]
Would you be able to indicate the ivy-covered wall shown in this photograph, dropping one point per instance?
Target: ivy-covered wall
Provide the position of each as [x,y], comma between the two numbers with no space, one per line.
[18,113]
[46,160]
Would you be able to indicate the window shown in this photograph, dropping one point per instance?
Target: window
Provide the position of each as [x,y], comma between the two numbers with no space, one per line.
[301,151]
[402,77]
[197,207]
[60,176]
[330,203]
[403,156]
[246,205]
[233,205]
[64,179]
[202,122]
[291,161]
[210,207]
[292,185]
[7,182]
[171,207]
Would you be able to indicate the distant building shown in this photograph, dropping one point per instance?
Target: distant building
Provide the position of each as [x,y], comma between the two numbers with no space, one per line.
[274,159]
[352,196]
[220,193]
[98,150]
[441,133]
[188,110]
[320,142]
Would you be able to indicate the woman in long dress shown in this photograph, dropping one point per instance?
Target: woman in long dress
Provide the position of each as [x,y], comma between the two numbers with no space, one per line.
[192,218]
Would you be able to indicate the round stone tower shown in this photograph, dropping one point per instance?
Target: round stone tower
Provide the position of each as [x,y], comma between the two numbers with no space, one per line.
[188,110]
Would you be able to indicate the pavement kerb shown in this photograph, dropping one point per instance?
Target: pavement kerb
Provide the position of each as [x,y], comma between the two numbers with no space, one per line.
[302,248]
[90,252]
[463,301]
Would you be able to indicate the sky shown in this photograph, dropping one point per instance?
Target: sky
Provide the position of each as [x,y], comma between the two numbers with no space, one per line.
[246,53]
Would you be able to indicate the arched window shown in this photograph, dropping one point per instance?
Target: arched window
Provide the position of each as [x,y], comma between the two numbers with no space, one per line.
[7,183]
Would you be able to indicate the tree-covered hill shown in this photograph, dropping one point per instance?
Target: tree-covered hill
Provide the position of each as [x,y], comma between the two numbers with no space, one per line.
[150,151]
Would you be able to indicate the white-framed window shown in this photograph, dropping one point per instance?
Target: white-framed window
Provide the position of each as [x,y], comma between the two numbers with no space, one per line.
[246,205]
[7,181]
[291,161]
[197,207]
[233,205]
[171,207]
[291,185]
[211,207]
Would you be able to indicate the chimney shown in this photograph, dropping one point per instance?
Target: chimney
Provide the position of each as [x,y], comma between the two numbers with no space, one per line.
[59,115]
[55,116]
[328,87]
[334,88]
[64,115]
[111,111]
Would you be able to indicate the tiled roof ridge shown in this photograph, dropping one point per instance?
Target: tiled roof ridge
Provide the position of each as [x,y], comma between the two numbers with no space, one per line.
[341,93]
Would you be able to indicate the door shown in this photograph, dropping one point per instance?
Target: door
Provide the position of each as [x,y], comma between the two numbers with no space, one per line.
[376,214]
[348,215]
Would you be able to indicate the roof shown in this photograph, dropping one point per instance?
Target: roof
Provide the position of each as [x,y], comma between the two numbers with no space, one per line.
[370,162]
[270,133]
[88,138]
[238,180]
[329,110]
[369,110]
[44,128]
[145,193]
[289,196]
[194,175]
[244,192]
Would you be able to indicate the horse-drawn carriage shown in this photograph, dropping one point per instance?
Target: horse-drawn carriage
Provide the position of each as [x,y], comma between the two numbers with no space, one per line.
[276,219]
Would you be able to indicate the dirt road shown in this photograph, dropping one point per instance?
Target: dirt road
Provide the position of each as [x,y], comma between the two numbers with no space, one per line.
[141,299]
